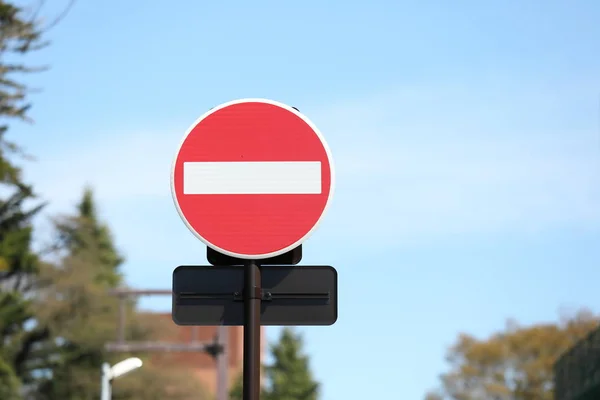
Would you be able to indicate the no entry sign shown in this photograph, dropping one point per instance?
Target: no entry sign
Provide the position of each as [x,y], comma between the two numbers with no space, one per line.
[252,178]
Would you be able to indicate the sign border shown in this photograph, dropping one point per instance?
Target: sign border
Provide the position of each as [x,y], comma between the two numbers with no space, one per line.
[331,172]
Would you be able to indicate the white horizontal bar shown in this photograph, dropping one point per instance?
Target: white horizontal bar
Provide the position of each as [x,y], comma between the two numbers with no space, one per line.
[274,177]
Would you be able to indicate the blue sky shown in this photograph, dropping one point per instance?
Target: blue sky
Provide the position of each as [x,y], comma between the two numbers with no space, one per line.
[465,134]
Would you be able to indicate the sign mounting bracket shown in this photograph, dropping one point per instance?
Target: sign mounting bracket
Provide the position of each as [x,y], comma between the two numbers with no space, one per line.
[264,295]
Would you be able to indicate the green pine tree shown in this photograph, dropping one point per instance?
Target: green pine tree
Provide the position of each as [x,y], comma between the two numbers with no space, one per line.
[24,343]
[84,232]
[77,308]
[10,386]
[288,377]
[19,35]
[21,340]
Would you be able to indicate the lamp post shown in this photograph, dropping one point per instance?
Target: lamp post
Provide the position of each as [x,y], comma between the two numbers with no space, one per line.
[119,369]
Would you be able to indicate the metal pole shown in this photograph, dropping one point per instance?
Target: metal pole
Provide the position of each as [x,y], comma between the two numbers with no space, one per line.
[109,389]
[105,382]
[222,364]
[122,323]
[252,299]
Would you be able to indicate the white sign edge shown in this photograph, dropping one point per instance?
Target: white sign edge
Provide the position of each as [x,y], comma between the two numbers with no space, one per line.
[331,173]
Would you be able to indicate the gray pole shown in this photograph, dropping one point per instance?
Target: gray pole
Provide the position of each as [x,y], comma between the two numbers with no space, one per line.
[122,311]
[222,364]
[105,392]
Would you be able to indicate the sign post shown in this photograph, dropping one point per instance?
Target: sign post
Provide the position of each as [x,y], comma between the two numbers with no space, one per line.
[252,300]
[252,179]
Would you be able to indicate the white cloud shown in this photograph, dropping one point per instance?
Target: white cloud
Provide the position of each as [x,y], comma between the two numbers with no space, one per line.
[410,163]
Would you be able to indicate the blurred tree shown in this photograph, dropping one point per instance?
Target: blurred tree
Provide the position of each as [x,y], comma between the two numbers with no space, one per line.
[434,396]
[289,376]
[76,307]
[23,342]
[20,338]
[516,364]
[19,35]
[83,233]
[82,316]
[152,382]
[10,386]
[235,393]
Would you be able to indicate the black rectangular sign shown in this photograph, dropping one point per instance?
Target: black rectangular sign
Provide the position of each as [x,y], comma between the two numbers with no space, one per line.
[291,295]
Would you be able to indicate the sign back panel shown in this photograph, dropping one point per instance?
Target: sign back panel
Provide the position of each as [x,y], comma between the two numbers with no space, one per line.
[298,295]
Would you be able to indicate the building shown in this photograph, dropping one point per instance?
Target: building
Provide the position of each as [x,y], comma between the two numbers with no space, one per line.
[201,364]
[577,371]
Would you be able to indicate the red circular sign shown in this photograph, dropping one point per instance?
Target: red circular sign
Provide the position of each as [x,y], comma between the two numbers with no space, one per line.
[252,178]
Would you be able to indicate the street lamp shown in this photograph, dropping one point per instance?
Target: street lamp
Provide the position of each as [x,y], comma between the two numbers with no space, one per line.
[119,369]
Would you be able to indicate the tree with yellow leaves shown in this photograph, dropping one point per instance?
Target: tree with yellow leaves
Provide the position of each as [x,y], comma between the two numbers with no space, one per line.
[514,364]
